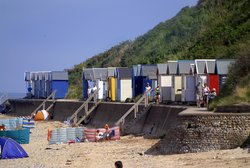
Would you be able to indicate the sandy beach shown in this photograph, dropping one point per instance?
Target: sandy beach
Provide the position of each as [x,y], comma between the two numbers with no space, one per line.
[130,150]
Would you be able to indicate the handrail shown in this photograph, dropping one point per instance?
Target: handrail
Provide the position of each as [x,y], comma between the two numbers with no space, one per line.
[134,107]
[43,103]
[4,95]
[87,113]
[94,95]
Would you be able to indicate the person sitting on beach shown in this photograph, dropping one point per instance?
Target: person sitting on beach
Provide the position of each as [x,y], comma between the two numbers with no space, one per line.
[99,135]
[107,134]
[213,94]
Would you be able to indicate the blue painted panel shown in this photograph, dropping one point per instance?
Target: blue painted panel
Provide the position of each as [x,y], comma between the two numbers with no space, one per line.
[62,88]
[85,88]
[138,85]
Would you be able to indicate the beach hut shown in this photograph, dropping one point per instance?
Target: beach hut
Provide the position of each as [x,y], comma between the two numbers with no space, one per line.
[123,83]
[164,82]
[137,80]
[188,80]
[212,77]
[41,84]
[59,82]
[111,83]
[222,70]
[200,71]
[149,74]
[100,79]
[175,81]
[87,81]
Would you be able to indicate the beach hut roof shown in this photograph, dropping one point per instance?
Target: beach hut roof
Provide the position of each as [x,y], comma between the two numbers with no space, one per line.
[185,66]
[162,69]
[27,76]
[149,70]
[100,73]
[111,71]
[172,67]
[88,74]
[210,66]
[124,73]
[136,70]
[200,66]
[59,75]
[40,75]
[222,66]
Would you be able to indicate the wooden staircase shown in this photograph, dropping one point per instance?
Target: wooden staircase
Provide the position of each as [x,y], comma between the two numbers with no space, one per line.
[137,114]
[52,95]
[85,106]
[140,114]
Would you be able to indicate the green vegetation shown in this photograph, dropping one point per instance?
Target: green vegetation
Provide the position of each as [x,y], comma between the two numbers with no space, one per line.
[211,29]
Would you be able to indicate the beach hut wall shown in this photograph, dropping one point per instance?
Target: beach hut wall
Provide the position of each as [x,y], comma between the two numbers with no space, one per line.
[188,80]
[173,70]
[60,83]
[137,80]
[222,70]
[123,83]
[112,88]
[212,77]
[101,77]
[85,87]
[188,92]
[87,75]
[165,87]
[177,88]
[111,83]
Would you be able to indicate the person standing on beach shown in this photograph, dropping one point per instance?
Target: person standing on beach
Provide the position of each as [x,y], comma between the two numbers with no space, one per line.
[198,90]
[157,94]
[148,92]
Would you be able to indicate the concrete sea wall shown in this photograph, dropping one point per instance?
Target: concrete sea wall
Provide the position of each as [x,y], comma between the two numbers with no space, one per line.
[182,129]
[205,132]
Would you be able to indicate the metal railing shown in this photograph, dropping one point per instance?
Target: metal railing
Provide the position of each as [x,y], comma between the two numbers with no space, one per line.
[85,106]
[134,108]
[3,98]
[52,95]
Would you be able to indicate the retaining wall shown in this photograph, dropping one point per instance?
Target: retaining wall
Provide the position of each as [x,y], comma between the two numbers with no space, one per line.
[205,132]
[183,131]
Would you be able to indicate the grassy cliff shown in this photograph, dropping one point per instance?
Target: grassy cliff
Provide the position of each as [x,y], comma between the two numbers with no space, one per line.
[211,29]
